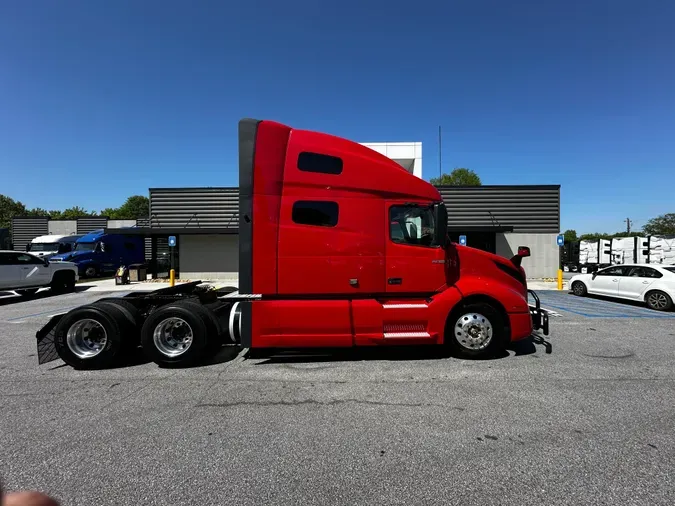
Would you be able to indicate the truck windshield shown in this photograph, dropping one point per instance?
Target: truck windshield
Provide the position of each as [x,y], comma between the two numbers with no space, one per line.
[85,246]
[43,246]
[413,224]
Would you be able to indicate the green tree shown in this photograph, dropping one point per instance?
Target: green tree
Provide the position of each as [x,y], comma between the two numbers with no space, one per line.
[9,208]
[72,213]
[458,177]
[661,225]
[136,206]
[570,235]
[111,212]
[38,211]
[594,236]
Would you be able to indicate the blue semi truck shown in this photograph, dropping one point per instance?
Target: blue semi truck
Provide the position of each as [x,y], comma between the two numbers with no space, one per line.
[100,254]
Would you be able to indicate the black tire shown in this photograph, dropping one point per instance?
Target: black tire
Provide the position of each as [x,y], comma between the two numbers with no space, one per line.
[63,282]
[111,350]
[200,324]
[131,312]
[579,289]
[467,318]
[92,271]
[128,318]
[658,301]
[27,292]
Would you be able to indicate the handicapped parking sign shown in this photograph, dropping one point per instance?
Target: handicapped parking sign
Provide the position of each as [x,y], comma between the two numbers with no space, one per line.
[462,240]
[172,241]
[561,240]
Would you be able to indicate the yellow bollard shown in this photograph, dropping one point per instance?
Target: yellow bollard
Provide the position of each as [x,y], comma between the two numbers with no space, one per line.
[560,279]
[172,277]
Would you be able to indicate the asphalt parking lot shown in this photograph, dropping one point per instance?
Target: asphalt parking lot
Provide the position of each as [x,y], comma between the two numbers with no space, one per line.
[592,422]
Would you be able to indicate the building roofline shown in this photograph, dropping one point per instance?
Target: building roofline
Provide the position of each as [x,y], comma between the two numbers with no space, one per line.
[511,186]
[158,231]
[190,188]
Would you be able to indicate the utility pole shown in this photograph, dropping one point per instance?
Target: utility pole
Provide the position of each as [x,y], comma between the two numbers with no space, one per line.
[628,224]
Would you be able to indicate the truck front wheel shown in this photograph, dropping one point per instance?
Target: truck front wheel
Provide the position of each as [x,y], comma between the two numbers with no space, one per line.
[91,271]
[475,331]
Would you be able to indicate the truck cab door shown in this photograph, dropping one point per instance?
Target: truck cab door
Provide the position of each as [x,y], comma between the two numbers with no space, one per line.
[414,263]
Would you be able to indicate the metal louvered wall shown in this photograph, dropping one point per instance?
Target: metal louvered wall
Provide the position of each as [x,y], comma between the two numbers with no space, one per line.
[24,230]
[145,222]
[525,208]
[194,207]
[89,224]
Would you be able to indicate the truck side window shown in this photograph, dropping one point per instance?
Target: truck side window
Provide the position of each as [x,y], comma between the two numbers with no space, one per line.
[318,213]
[412,225]
[316,162]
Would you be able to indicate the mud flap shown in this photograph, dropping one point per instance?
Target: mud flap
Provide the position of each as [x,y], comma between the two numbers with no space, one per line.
[45,340]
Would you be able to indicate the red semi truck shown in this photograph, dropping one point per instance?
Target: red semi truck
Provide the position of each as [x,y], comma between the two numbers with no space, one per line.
[339,246]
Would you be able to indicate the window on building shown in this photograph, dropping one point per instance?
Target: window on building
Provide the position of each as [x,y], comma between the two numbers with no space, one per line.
[316,162]
[318,213]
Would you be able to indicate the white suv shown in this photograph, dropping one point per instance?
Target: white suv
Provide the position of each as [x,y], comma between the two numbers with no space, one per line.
[25,273]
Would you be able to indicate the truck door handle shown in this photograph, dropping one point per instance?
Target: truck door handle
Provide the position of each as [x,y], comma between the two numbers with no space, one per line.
[395,281]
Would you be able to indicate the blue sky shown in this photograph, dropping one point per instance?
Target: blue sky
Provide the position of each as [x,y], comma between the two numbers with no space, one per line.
[102,99]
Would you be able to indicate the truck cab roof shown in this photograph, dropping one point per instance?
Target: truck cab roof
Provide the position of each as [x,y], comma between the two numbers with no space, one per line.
[53,238]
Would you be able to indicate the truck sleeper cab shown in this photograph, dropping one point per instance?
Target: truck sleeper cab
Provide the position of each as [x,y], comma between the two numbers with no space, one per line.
[47,246]
[339,246]
[98,253]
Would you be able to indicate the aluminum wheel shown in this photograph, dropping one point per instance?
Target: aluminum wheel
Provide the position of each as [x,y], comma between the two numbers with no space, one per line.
[658,300]
[473,331]
[172,336]
[579,288]
[90,272]
[86,338]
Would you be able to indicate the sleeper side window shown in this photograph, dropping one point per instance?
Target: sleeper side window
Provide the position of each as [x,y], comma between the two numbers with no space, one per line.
[316,162]
[317,213]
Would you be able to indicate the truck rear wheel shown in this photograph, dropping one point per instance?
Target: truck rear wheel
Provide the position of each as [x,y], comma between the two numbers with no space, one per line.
[178,334]
[128,318]
[475,331]
[88,338]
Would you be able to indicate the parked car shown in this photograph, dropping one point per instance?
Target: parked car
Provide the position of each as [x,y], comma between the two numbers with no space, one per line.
[99,254]
[650,283]
[46,246]
[25,273]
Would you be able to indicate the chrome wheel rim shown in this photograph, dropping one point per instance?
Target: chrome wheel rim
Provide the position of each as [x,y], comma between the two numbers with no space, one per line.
[86,338]
[473,331]
[658,300]
[173,336]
